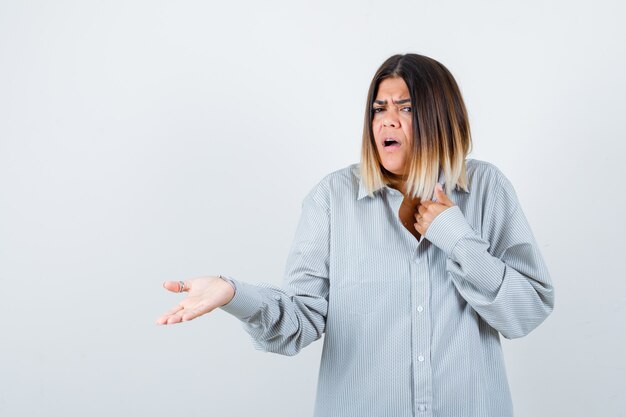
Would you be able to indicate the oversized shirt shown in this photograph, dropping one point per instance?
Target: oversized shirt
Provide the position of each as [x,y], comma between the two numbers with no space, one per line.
[412,327]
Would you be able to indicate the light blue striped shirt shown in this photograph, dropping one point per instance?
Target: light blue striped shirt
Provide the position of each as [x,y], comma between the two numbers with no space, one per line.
[412,328]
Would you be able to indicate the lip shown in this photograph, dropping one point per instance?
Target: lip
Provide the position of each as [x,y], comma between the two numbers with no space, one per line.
[391,148]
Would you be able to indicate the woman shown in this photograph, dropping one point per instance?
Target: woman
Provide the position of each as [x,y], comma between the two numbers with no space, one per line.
[412,263]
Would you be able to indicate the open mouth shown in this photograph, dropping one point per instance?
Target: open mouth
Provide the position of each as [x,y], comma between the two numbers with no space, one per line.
[391,142]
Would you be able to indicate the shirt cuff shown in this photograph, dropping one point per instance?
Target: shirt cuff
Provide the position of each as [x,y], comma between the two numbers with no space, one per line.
[246,301]
[447,229]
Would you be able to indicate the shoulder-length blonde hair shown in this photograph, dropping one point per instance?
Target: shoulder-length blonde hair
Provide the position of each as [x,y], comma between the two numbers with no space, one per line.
[441,132]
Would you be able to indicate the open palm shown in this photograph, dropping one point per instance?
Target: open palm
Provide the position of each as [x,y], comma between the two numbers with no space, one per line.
[204,295]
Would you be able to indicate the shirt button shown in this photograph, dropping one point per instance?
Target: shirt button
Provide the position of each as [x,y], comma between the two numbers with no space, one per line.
[420,358]
[420,308]
[277,297]
[421,407]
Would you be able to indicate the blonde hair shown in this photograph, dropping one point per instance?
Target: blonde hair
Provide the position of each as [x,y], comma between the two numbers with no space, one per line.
[441,132]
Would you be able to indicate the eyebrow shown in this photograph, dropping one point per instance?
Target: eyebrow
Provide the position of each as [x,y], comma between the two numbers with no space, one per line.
[382,102]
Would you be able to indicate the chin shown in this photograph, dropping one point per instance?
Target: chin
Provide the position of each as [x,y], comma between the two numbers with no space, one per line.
[394,169]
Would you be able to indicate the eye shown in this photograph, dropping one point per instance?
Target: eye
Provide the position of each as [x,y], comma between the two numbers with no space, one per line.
[377,109]
[407,109]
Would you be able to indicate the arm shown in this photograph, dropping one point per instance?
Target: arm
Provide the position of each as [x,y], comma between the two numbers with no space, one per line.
[501,274]
[286,320]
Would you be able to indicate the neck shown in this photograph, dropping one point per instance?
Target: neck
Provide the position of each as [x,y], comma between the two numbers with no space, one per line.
[398,185]
[396,181]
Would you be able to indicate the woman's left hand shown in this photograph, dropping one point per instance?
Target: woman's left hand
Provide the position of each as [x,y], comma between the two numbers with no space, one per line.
[428,210]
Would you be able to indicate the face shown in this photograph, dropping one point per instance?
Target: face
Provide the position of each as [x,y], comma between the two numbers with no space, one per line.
[392,124]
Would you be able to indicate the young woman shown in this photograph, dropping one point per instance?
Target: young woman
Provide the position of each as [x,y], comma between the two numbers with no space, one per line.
[412,263]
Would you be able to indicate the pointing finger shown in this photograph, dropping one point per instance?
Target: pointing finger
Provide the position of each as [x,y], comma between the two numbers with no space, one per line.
[442,197]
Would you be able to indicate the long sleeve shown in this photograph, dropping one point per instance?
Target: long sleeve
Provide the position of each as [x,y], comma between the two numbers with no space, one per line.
[501,274]
[407,330]
[285,320]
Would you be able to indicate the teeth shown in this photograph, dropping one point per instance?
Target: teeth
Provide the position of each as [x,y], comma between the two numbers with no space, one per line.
[389,142]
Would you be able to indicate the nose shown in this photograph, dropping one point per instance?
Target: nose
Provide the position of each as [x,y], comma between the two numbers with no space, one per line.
[391,118]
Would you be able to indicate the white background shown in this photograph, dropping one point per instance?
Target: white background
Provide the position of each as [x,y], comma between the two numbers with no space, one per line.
[143,141]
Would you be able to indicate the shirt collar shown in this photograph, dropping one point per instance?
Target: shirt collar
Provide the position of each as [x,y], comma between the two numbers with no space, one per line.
[363,188]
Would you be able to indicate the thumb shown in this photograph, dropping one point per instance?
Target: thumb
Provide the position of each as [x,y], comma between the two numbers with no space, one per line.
[442,197]
[175,286]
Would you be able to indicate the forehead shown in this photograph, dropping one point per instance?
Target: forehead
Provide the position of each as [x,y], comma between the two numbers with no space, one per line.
[393,87]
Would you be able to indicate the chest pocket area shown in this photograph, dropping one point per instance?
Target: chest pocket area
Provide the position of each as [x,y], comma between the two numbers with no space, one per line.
[373,287]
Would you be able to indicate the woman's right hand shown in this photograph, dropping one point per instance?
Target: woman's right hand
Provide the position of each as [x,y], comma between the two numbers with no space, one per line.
[204,295]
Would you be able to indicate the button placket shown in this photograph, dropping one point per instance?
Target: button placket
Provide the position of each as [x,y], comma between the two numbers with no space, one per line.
[422,342]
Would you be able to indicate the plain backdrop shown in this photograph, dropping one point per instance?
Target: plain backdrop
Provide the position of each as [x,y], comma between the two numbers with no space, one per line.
[143,141]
